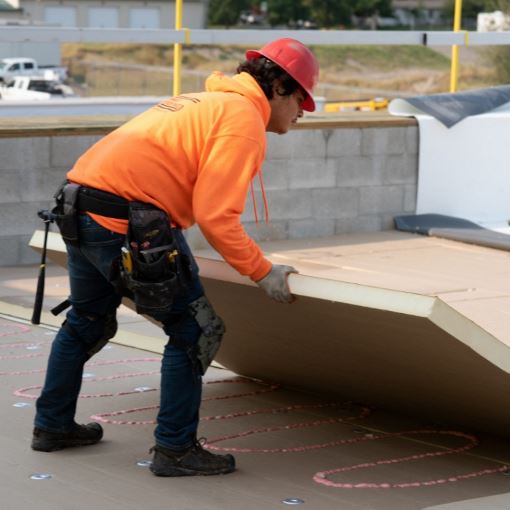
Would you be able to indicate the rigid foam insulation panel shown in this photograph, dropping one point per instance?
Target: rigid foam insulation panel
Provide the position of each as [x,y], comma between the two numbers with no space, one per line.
[390,319]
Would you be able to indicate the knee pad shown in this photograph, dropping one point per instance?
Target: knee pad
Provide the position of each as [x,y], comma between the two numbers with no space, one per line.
[93,331]
[212,328]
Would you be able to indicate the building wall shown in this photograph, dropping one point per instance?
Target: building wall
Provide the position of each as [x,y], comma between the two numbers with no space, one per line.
[85,13]
[418,4]
[319,182]
[44,53]
[410,12]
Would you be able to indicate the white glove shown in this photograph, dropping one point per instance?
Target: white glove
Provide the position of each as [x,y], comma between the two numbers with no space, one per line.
[275,283]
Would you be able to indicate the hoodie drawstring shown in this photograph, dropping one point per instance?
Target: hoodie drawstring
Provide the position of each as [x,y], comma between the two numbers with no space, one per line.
[264,198]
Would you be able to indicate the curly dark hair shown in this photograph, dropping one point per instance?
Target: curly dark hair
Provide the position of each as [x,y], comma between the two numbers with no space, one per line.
[266,72]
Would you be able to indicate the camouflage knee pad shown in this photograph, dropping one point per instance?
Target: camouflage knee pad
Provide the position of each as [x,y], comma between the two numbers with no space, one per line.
[212,328]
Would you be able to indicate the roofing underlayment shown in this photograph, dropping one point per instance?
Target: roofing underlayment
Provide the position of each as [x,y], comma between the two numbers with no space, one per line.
[386,326]
[463,157]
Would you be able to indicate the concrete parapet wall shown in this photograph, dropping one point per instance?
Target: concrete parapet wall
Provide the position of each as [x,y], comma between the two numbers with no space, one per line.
[318,181]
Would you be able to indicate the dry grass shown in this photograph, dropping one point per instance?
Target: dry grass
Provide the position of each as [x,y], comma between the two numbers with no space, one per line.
[347,72]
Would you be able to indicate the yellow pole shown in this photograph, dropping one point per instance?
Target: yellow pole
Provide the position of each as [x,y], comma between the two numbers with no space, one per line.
[177,49]
[454,73]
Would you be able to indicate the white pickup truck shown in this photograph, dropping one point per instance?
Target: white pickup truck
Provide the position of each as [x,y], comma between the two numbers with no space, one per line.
[34,88]
[21,66]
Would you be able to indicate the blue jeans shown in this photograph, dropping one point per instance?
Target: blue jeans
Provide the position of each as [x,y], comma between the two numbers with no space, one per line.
[94,303]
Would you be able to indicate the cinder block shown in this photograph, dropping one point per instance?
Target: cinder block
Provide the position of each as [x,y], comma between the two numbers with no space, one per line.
[20,218]
[410,192]
[279,146]
[10,189]
[412,140]
[335,203]
[24,153]
[65,150]
[381,199]
[343,142]
[249,211]
[366,223]
[310,228]
[274,231]
[9,254]
[383,141]
[275,174]
[308,144]
[27,255]
[312,173]
[287,205]
[400,169]
[282,205]
[37,185]
[388,220]
[359,171]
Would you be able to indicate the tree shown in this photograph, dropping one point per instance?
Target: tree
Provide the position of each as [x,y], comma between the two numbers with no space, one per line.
[284,12]
[470,8]
[330,13]
[365,8]
[226,12]
[366,11]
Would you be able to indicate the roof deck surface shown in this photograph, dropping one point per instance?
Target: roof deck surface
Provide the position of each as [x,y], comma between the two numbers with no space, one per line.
[121,389]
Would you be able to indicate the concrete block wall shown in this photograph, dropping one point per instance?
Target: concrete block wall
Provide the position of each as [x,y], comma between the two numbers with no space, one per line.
[318,182]
[31,169]
[333,181]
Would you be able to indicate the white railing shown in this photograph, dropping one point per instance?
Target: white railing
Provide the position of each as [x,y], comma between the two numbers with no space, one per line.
[248,37]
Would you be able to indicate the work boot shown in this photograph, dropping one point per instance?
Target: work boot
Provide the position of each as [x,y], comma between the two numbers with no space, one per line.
[192,461]
[80,435]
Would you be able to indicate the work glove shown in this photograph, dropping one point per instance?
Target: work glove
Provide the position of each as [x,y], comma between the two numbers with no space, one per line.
[275,283]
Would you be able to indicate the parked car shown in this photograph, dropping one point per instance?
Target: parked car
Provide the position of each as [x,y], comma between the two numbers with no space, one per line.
[34,88]
[21,66]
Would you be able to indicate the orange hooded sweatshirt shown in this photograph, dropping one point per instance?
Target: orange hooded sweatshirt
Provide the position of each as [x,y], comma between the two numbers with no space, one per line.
[194,156]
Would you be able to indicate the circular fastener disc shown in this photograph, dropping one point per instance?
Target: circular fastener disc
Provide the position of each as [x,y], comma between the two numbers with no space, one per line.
[144,463]
[141,389]
[292,501]
[40,476]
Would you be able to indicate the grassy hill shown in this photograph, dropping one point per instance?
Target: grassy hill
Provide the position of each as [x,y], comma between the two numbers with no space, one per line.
[347,72]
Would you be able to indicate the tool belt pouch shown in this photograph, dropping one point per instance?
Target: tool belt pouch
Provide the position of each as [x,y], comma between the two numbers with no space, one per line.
[152,275]
[66,211]
[212,327]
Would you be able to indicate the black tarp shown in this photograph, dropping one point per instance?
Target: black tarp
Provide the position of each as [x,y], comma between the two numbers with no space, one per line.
[449,109]
[450,227]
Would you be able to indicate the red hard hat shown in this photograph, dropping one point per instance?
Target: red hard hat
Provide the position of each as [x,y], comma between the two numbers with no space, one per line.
[297,60]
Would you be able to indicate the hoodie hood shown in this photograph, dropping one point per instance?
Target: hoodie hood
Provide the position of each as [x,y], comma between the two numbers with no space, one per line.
[243,84]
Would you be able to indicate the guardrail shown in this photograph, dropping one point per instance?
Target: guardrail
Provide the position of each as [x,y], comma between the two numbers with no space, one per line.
[186,36]
[247,37]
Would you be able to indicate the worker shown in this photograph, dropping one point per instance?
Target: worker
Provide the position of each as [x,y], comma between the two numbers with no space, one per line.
[122,211]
